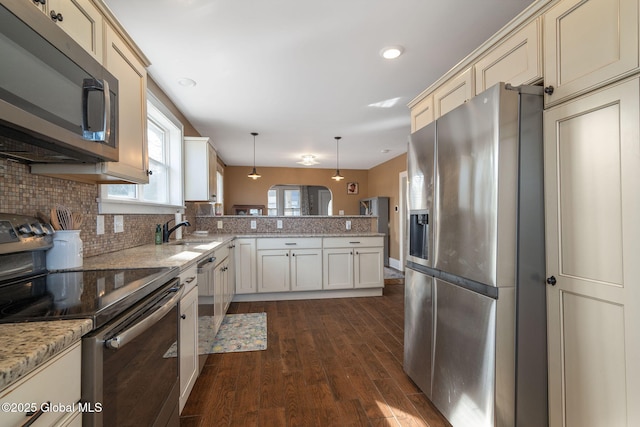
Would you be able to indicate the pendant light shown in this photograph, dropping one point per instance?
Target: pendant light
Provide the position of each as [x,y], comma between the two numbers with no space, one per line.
[254,174]
[337,176]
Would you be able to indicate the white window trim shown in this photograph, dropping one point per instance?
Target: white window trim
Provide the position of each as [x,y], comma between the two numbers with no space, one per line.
[124,206]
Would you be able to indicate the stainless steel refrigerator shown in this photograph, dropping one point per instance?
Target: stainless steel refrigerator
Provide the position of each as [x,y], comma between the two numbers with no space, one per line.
[475,319]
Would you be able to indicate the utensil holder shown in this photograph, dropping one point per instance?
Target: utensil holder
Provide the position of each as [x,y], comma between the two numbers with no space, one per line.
[66,252]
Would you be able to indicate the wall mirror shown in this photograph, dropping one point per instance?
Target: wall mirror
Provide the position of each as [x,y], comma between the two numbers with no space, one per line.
[298,200]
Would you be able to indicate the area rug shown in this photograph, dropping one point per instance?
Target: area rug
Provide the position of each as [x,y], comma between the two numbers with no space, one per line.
[238,332]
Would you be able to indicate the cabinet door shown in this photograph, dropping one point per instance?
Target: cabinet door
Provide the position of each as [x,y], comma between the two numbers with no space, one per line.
[452,93]
[337,268]
[82,21]
[273,270]
[201,166]
[588,44]
[133,163]
[422,113]
[368,267]
[219,276]
[306,269]
[245,251]
[592,204]
[517,60]
[188,340]
[231,276]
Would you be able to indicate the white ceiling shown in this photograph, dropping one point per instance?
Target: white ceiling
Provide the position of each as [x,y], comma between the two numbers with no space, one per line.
[300,72]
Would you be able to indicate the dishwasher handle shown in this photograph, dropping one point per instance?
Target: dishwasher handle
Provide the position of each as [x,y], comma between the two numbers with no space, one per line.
[207,265]
[128,335]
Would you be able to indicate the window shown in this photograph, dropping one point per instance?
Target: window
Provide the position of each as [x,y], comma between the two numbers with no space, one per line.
[163,193]
[284,201]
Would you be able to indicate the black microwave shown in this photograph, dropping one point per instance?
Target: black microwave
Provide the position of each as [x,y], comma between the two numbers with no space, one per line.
[57,103]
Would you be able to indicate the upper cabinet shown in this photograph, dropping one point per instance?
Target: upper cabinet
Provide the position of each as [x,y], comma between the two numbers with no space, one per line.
[78,18]
[588,44]
[453,92]
[82,21]
[122,62]
[422,113]
[201,167]
[517,60]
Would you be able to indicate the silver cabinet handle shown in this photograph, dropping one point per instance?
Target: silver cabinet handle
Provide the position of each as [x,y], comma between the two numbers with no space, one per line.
[128,335]
[291,244]
[354,243]
[91,85]
[190,279]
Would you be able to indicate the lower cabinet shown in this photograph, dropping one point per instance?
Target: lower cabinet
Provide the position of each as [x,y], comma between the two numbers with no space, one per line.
[353,262]
[245,266]
[56,381]
[188,339]
[188,333]
[289,264]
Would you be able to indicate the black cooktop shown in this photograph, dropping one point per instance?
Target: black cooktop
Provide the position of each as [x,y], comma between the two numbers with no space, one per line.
[95,294]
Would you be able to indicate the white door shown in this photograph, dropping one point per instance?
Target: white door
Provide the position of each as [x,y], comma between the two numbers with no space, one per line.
[273,270]
[324,197]
[592,197]
[337,268]
[306,269]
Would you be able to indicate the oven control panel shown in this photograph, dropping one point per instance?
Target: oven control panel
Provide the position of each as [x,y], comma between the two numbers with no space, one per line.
[19,233]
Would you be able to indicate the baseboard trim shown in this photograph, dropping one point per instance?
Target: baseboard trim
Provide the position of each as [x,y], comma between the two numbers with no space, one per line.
[287,296]
[394,263]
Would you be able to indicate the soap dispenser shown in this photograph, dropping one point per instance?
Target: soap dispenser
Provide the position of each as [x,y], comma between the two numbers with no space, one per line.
[158,234]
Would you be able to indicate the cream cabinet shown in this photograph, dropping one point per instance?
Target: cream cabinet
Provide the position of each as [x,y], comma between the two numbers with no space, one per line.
[592,204]
[285,264]
[422,113]
[588,44]
[516,60]
[82,21]
[353,262]
[57,381]
[188,333]
[245,266]
[453,92]
[201,166]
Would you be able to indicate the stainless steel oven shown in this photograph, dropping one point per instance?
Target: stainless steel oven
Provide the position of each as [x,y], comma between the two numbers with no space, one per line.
[126,374]
[128,378]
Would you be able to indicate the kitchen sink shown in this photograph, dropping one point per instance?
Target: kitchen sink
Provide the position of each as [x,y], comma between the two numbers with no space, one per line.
[195,242]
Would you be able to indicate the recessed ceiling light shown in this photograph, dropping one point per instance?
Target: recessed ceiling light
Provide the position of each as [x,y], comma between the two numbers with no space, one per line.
[391,52]
[186,82]
[308,160]
[385,151]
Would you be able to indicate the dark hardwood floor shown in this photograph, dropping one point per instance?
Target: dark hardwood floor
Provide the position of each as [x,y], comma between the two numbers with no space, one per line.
[331,362]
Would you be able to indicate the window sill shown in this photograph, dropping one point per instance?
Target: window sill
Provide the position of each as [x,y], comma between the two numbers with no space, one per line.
[135,208]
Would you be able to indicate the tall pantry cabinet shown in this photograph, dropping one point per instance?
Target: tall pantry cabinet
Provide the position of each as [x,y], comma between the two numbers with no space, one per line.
[592,203]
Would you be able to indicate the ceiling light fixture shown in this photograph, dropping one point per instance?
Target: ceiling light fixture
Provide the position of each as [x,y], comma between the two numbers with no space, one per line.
[391,52]
[186,82]
[308,160]
[254,174]
[337,176]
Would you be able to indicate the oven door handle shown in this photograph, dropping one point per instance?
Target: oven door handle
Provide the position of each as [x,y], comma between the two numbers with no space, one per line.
[129,334]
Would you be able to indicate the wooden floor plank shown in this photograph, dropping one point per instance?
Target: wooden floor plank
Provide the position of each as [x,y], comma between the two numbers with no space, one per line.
[332,362]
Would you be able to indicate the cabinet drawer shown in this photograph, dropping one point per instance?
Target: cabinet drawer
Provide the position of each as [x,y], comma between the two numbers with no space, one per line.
[189,278]
[352,242]
[221,253]
[293,243]
[44,385]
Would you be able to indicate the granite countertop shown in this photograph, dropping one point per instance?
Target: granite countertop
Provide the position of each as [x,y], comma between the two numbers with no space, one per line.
[26,346]
[182,253]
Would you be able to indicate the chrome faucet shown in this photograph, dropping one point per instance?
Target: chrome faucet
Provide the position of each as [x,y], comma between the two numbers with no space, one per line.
[166,231]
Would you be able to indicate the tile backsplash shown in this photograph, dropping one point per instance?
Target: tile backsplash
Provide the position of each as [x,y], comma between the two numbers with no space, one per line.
[27,194]
[33,195]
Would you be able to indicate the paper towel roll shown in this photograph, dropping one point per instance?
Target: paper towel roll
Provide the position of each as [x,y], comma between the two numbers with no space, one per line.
[178,232]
